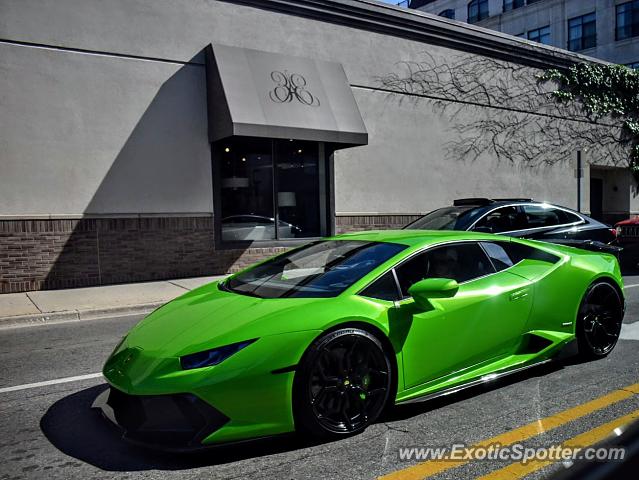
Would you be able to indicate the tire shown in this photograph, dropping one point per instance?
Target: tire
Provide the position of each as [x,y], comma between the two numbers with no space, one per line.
[599,320]
[342,384]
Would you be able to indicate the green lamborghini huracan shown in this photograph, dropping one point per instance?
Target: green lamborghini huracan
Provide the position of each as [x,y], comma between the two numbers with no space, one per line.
[322,338]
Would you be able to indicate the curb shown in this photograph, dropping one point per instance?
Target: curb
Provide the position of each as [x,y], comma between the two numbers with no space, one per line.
[51,318]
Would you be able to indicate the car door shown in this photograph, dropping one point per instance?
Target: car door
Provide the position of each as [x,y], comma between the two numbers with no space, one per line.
[483,320]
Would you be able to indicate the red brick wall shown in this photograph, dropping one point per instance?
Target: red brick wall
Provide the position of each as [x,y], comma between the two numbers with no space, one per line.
[49,254]
[358,223]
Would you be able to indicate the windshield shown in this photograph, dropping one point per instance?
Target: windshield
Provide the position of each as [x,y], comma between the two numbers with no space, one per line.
[321,269]
[448,218]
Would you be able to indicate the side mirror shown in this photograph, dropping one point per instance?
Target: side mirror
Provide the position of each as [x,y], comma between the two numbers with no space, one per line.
[483,229]
[428,288]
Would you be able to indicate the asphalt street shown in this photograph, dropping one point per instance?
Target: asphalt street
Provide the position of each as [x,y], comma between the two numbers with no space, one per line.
[49,431]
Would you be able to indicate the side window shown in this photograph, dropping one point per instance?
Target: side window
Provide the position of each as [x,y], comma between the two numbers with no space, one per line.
[541,216]
[518,252]
[383,288]
[567,217]
[461,262]
[501,260]
[505,219]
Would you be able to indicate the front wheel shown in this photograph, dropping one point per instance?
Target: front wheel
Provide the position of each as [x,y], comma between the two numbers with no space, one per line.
[342,384]
[599,320]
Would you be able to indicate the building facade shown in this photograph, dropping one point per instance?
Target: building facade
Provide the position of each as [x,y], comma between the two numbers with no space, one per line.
[145,139]
[605,29]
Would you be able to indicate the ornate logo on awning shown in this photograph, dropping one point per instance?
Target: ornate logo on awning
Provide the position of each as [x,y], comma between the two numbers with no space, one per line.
[291,86]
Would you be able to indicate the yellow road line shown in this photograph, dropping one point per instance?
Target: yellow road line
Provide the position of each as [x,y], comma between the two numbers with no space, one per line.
[519,470]
[433,467]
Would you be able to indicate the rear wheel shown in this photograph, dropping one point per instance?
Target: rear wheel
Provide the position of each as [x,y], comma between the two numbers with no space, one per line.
[599,320]
[342,384]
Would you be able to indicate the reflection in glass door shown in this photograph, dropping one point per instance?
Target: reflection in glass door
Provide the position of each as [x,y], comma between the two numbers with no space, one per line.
[270,189]
[297,187]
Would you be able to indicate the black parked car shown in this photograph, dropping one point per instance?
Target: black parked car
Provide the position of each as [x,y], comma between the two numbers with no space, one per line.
[521,217]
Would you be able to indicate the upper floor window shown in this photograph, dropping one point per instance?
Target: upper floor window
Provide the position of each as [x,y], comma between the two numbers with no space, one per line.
[582,32]
[477,10]
[540,35]
[512,4]
[448,13]
[627,20]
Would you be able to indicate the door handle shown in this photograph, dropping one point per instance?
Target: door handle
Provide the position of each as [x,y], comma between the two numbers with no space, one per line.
[519,294]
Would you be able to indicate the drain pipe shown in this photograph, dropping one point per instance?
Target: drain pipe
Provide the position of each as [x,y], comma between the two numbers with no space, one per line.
[579,175]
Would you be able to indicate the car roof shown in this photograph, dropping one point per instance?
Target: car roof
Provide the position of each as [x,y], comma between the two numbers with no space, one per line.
[486,204]
[416,237]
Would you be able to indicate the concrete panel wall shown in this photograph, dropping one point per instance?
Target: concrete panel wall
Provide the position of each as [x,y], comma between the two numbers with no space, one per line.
[96,134]
[129,135]
[406,169]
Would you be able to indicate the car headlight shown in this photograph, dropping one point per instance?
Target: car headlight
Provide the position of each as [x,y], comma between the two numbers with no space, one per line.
[212,357]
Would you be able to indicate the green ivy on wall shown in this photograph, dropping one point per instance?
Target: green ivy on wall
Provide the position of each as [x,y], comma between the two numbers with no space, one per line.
[603,90]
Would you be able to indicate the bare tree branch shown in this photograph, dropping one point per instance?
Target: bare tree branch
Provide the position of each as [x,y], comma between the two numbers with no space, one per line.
[513,116]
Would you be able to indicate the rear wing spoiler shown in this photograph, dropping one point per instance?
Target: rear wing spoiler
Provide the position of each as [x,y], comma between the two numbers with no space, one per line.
[592,245]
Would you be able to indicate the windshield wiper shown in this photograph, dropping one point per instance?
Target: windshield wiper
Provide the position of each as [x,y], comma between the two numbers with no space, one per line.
[223,286]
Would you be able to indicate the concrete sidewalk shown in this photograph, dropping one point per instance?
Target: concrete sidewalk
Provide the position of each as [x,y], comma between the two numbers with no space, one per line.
[51,306]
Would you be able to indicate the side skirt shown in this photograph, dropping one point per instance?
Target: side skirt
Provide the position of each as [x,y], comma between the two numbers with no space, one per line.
[473,383]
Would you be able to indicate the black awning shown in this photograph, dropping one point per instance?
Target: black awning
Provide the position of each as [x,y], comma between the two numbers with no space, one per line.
[261,94]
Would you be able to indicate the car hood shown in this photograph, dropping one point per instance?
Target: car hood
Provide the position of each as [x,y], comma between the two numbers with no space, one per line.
[208,317]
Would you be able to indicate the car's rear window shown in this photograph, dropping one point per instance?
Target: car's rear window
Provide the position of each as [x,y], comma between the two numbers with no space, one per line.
[506,254]
[321,269]
[447,218]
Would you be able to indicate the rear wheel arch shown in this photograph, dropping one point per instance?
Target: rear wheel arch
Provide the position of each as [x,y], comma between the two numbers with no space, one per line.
[608,279]
[585,345]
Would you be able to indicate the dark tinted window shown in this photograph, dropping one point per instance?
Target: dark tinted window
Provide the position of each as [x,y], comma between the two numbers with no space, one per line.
[461,262]
[505,219]
[518,252]
[546,216]
[448,13]
[582,32]
[540,35]
[383,288]
[321,269]
[477,10]
[501,260]
[261,179]
[627,20]
[447,218]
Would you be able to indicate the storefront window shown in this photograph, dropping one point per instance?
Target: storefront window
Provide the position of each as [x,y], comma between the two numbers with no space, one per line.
[270,189]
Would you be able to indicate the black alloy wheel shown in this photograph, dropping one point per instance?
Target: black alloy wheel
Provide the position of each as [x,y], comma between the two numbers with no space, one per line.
[599,320]
[343,383]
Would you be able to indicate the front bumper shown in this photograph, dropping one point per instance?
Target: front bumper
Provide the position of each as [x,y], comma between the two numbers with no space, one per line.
[248,388]
[177,422]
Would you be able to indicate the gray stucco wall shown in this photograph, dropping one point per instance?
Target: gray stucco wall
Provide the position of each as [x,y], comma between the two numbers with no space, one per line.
[103,133]
[99,134]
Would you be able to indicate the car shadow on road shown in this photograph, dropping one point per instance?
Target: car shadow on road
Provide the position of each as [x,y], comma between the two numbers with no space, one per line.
[81,432]
[409,410]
